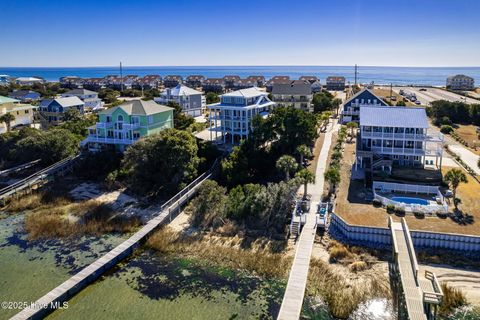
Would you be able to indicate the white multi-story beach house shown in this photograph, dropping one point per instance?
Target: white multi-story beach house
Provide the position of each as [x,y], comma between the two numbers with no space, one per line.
[192,101]
[90,98]
[396,136]
[232,116]
[351,108]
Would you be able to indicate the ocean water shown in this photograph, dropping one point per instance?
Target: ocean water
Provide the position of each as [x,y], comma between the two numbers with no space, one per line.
[366,74]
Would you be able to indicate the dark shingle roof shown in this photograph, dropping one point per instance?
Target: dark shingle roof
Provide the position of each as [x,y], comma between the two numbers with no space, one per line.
[296,87]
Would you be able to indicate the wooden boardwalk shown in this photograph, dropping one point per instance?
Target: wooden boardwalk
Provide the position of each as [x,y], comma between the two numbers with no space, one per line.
[67,289]
[418,293]
[297,280]
[37,179]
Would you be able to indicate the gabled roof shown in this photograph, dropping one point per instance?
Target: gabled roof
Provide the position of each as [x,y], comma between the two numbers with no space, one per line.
[139,107]
[407,117]
[336,78]
[4,99]
[296,87]
[182,90]
[246,93]
[214,81]
[21,93]
[67,101]
[82,92]
[365,94]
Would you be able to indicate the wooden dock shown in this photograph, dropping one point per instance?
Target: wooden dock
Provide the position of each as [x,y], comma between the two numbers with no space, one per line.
[419,296]
[70,287]
[297,280]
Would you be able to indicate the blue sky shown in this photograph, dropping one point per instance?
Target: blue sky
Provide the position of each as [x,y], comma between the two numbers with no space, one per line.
[188,32]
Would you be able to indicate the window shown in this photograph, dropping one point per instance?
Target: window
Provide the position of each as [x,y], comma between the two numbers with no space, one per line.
[109,119]
[120,118]
[27,111]
[150,119]
[395,157]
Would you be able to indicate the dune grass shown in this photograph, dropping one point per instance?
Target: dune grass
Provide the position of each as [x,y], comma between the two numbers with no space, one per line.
[341,294]
[453,298]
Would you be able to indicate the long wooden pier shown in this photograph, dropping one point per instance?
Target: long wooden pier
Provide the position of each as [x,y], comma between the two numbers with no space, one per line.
[297,280]
[417,297]
[67,289]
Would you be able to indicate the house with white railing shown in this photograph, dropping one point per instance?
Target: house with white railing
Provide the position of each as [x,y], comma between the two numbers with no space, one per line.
[121,126]
[231,118]
[396,136]
[351,107]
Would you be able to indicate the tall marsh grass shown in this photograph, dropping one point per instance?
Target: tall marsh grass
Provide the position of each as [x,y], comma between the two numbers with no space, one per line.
[220,252]
[64,219]
[342,295]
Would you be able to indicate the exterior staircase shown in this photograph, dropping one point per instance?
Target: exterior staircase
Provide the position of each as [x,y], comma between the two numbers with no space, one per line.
[295,228]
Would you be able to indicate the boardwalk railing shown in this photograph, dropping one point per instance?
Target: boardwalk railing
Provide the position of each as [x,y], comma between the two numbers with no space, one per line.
[20,167]
[92,272]
[37,178]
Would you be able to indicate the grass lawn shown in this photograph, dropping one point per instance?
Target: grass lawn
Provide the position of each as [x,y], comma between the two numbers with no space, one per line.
[351,206]
[469,134]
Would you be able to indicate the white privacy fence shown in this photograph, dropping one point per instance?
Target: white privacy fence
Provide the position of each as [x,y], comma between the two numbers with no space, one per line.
[377,237]
[390,187]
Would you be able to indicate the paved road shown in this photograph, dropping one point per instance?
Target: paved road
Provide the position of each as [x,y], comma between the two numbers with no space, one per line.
[470,158]
[432,94]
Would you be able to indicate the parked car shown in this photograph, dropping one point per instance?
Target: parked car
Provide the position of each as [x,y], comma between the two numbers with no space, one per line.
[422,89]
[417,102]
[402,92]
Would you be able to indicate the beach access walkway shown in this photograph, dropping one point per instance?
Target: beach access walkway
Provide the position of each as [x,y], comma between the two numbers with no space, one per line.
[297,280]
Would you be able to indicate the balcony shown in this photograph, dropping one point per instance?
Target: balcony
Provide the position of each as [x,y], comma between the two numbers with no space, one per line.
[94,138]
[399,151]
[104,125]
[131,126]
[290,99]
[409,136]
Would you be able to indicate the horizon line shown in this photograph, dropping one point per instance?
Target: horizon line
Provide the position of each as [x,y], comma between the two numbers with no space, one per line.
[240,65]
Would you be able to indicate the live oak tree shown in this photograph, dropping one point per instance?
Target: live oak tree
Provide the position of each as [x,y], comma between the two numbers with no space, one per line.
[161,164]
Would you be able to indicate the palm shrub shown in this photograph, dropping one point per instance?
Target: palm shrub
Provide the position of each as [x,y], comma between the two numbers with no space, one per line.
[454,177]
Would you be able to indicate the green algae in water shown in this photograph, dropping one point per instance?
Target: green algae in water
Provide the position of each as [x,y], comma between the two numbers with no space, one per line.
[28,270]
[150,286]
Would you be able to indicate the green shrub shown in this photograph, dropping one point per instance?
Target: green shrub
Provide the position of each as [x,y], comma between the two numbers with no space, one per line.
[390,208]
[446,129]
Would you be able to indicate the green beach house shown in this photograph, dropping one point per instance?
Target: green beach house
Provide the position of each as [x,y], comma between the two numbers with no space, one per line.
[123,125]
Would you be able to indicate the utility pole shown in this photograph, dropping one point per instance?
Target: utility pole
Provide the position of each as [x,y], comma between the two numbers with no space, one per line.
[121,77]
[391,91]
[356,75]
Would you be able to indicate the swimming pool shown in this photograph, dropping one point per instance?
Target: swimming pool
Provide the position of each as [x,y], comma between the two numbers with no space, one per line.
[408,200]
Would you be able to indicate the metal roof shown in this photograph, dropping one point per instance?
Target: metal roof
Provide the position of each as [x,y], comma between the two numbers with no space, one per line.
[246,93]
[181,90]
[4,99]
[393,117]
[139,107]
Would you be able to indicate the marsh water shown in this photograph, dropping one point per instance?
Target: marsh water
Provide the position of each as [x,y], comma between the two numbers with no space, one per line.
[147,285]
